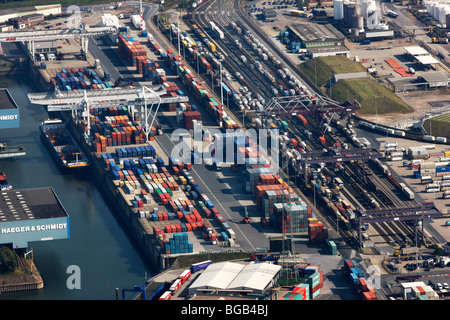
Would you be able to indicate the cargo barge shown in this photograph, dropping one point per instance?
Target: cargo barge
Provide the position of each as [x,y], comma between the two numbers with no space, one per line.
[11,152]
[61,144]
[4,184]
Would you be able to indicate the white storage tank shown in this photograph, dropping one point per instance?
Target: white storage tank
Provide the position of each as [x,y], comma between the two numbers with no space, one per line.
[338,9]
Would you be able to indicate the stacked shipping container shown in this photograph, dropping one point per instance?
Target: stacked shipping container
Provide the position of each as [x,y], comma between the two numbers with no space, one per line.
[351,271]
[311,288]
[317,233]
[179,243]
[130,49]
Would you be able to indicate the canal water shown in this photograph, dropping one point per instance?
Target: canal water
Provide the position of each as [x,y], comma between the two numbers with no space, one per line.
[106,255]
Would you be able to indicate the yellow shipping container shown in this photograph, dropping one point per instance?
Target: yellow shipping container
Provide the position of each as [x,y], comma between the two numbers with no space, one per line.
[447,153]
[212,46]
[312,220]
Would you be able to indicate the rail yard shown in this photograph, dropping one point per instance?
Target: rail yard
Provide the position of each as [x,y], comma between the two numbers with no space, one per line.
[329,178]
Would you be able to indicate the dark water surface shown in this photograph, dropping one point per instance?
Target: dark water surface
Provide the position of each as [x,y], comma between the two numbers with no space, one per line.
[105,254]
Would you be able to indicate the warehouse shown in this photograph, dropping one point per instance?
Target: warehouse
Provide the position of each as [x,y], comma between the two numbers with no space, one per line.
[319,40]
[230,277]
[328,51]
[350,75]
[420,55]
[311,35]
[46,10]
[30,215]
[26,21]
[9,111]
[435,79]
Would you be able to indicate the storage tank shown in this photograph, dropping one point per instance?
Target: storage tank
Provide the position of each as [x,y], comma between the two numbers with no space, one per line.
[443,15]
[338,10]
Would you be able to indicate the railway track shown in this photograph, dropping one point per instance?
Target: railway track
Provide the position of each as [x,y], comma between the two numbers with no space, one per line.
[386,196]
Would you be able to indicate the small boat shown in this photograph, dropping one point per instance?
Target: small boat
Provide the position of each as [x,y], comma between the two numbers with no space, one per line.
[62,145]
[11,151]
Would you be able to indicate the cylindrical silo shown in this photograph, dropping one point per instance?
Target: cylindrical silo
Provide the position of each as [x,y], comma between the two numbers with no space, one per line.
[338,9]
[436,11]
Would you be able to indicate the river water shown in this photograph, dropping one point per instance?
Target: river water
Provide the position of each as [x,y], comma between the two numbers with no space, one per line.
[105,254]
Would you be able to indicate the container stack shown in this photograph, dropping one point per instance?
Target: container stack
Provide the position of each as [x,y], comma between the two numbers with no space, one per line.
[115,126]
[315,282]
[251,176]
[331,246]
[297,215]
[421,291]
[130,49]
[188,118]
[270,198]
[311,288]
[351,271]
[73,79]
[317,233]
[260,191]
[179,243]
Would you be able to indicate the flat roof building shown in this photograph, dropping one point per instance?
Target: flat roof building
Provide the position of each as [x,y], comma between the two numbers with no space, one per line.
[316,34]
[319,39]
[230,277]
[9,111]
[436,79]
[269,14]
[29,215]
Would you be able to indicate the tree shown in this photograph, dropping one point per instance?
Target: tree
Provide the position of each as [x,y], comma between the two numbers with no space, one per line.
[8,262]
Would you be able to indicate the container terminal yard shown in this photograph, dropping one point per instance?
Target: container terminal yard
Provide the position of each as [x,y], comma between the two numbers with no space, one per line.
[325,204]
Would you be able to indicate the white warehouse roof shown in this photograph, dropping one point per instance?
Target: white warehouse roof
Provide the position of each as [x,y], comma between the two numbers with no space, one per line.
[224,276]
[255,277]
[427,59]
[416,51]
[217,276]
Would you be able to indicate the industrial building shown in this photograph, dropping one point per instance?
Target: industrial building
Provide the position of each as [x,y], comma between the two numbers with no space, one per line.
[420,55]
[269,14]
[31,215]
[319,40]
[435,79]
[45,10]
[350,75]
[440,11]
[26,21]
[230,277]
[362,19]
[46,46]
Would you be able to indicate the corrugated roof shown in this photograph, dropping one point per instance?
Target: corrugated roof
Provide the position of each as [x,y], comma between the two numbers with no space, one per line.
[255,276]
[236,276]
[217,275]
[316,32]
[435,76]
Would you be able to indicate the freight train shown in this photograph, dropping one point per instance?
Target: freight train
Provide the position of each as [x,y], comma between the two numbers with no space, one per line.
[400,133]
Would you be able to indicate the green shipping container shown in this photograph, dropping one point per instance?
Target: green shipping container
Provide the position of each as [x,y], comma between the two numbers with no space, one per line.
[315,294]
